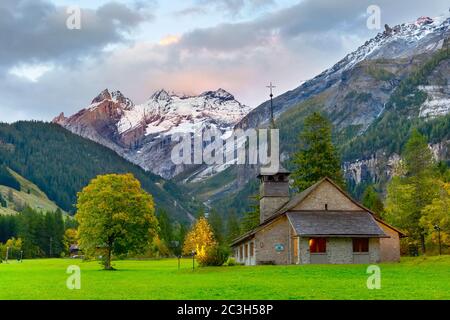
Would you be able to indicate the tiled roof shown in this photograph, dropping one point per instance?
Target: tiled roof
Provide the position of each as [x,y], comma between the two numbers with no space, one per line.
[334,223]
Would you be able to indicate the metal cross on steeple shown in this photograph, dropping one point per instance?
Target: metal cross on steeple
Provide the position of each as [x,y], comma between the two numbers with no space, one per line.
[272,121]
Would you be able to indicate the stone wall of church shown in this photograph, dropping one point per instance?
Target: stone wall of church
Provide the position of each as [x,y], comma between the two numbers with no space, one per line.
[268,206]
[339,251]
[374,250]
[327,194]
[304,251]
[389,247]
[273,237]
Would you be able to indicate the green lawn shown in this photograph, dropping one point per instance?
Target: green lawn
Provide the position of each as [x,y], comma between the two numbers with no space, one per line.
[413,278]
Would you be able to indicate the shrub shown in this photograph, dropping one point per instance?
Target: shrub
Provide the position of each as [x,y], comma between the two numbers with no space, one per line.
[232,262]
[214,256]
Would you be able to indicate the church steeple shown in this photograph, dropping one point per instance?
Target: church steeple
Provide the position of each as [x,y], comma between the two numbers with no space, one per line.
[273,192]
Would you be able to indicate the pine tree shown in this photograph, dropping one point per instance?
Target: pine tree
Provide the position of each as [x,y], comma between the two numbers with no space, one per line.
[233,227]
[409,194]
[217,224]
[371,199]
[317,157]
[165,226]
[252,217]
[3,202]
[418,157]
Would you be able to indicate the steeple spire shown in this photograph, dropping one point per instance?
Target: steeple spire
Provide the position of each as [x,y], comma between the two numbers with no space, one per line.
[272,120]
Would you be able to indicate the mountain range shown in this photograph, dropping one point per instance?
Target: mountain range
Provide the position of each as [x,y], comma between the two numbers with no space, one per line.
[142,133]
[374,96]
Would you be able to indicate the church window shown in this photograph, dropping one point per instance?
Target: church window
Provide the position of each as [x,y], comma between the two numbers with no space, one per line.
[318,245]
[360,245]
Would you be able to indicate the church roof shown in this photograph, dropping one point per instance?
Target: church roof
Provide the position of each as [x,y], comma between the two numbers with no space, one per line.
[334,223]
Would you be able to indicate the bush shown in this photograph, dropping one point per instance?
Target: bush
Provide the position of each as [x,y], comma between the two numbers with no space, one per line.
[214,256]
[232,262]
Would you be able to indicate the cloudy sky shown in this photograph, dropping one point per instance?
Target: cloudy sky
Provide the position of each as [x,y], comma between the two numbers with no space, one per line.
[189,46]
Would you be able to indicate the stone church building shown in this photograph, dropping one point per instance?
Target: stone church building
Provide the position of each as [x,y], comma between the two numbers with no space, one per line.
[320,225]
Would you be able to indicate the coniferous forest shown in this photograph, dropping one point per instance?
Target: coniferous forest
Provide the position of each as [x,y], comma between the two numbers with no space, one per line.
[61,164]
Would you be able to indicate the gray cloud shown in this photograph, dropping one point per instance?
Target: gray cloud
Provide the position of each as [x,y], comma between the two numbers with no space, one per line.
[232,8]
[35,30]
[191,11]
[309,19]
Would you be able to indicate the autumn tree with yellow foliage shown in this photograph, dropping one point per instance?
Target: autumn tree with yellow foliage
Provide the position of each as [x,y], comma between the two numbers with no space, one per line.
[200,240]
[437,213]
[115,216]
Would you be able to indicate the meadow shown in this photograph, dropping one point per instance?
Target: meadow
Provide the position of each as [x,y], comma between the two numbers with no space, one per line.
[413,278]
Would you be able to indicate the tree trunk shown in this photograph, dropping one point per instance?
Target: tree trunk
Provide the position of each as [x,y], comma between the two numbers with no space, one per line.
[422,242]
[107,264]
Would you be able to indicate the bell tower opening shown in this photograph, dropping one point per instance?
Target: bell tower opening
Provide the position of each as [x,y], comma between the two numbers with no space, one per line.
[274,192]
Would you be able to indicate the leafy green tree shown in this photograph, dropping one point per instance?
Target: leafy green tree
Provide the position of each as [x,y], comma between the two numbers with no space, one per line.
[115,216]
[316,157]
[372,200]
[437,213]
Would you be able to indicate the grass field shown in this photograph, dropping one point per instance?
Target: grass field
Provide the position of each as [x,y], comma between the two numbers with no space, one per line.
[413,278]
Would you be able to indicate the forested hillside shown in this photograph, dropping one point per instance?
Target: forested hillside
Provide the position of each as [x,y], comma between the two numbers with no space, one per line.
[61,164]
[20,194]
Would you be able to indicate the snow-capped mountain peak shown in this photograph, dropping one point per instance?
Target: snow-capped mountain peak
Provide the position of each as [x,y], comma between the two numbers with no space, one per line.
[161,95]
[104,95]
[400,41]
[118,97]
[136,131]
[218,94]
[164,112]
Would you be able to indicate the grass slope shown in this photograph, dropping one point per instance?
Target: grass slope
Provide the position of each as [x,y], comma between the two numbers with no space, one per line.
[413,278]
[29,194]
